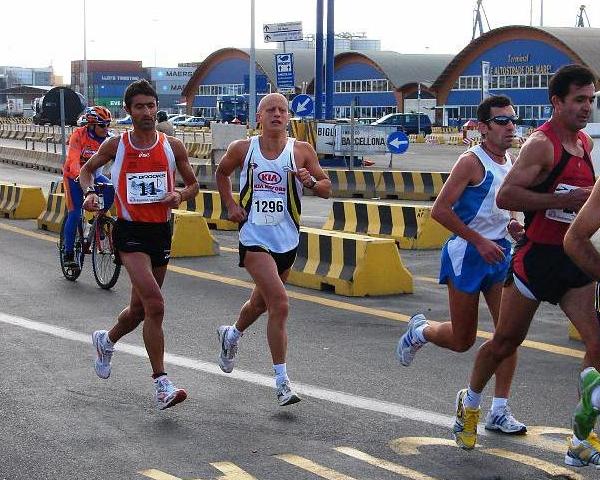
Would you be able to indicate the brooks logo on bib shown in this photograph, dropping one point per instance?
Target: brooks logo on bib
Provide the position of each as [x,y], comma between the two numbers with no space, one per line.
[147,187]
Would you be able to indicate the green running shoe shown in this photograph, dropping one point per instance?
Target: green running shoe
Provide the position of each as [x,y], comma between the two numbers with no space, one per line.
[585,414]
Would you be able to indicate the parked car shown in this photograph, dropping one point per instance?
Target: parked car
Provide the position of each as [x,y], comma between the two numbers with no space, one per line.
[179,119]
[365,121]
[125,120]
[408,121]
[195,122]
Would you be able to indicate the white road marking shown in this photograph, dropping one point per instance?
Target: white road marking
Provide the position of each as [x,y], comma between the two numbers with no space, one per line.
[341,398]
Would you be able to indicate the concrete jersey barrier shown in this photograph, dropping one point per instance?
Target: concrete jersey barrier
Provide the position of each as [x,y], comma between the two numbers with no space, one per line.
[410,226]
[21,201]
[56,210]
[349,264]
[191,236]
[208,203]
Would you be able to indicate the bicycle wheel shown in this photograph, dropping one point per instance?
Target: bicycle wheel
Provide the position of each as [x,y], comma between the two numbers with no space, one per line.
[71,273]
[106,271]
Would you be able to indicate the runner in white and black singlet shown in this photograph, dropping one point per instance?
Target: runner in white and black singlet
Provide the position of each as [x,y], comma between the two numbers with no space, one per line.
[274,168]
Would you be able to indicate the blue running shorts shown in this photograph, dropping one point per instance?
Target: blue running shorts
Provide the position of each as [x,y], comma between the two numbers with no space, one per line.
[462,265]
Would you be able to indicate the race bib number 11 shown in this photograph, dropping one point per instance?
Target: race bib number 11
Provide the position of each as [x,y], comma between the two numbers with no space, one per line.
[267,211]
[147,187]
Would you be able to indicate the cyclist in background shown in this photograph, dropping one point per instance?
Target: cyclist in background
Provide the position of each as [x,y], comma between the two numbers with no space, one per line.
[84,142]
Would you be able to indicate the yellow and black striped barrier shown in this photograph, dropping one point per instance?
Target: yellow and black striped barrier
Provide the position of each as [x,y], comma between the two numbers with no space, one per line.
[52,217]
[208,203]
[349,264]
[392,184]
[199,150]
[353,183]
[21,201]
[410,226]
[191,236]
[57,186]
[408,185]
[305,131]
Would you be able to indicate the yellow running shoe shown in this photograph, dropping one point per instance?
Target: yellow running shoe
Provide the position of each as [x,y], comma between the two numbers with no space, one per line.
[593,440]
[582,454]
[464,430]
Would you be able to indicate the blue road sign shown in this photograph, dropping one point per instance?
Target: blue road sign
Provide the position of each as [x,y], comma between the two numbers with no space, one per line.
[284,69]
[303,105]
[397,142]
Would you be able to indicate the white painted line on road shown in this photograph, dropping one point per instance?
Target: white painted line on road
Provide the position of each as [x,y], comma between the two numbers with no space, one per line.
[333,396]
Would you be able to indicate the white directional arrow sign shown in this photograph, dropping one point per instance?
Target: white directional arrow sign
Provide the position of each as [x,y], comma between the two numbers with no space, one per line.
[282,32]
[302,105]
[396,142]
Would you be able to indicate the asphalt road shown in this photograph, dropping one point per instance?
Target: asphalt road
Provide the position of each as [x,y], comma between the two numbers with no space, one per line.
[362,415]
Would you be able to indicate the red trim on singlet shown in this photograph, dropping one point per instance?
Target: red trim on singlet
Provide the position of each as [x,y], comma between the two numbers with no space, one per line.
[577,173]
[518,262]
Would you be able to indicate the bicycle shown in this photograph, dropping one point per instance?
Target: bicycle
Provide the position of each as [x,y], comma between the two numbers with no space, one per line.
[95,238]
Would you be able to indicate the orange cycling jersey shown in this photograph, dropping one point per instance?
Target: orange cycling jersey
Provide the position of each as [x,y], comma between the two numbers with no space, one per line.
[82,145]
[142,178]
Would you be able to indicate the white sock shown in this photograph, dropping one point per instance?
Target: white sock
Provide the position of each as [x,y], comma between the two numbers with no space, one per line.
[575,441]
[499,404]
[280,373]
[472,399]
[233,335]
[419,333]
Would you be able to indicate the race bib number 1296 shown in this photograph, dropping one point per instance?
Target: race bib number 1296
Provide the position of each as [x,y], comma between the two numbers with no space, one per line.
[267,211]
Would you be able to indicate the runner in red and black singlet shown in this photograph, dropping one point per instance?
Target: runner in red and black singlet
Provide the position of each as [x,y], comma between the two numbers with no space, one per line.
[541,269]
[551,180]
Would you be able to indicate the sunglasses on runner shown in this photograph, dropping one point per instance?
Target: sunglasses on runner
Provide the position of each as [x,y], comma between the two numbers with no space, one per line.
[503,119]
[103,125]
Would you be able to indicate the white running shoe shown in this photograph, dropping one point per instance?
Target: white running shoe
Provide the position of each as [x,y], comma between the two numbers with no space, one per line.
[409,345]
[285,394]
[167,394]
[104,353]
[228,352]
[504,422]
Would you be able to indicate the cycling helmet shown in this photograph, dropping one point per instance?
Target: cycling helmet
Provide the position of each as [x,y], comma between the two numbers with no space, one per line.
[97,115]
[161,116]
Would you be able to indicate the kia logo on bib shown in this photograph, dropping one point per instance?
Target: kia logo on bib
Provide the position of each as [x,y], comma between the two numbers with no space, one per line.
[269,177]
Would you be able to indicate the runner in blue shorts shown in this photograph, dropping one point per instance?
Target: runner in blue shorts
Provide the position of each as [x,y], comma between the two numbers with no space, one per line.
[477,257]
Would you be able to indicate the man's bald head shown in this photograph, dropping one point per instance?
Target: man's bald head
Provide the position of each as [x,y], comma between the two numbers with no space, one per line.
[270,98]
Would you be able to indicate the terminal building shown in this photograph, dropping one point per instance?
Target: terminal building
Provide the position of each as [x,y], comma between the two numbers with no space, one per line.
[522,61]
[380,82]
[108,80]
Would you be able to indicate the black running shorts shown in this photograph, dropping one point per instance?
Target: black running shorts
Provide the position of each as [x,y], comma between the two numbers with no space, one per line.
[153,239]
[546,271]
[284,261]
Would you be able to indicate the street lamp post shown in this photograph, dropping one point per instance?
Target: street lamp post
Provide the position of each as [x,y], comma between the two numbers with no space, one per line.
[85,65]
[418,108]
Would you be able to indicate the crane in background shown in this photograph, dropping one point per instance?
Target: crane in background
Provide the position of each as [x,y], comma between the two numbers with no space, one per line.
[477,21]
[582,17]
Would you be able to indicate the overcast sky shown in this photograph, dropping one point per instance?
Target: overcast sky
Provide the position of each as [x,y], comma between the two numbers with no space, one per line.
[39,33]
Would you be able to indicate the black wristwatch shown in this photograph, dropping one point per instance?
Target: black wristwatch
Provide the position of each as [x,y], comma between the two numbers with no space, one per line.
[88,191]
[314,182]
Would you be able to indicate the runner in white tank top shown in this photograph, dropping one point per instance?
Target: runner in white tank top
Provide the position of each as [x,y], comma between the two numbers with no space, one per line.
[271,195]
[274,168]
